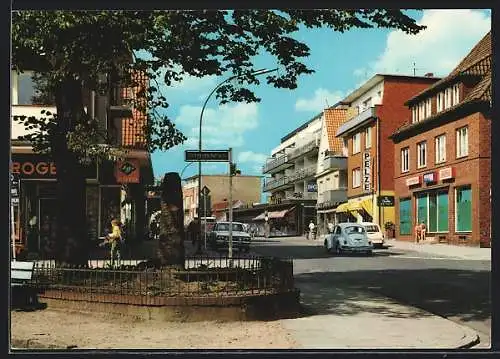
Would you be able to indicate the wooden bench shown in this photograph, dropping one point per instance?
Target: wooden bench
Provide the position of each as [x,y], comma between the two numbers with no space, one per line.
[23,292]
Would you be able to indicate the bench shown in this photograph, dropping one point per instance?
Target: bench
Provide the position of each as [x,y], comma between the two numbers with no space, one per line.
[23,292]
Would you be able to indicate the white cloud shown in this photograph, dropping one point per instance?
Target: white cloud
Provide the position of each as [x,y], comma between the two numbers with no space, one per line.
[249,156]
[222,127]
[321,99]
[449,36]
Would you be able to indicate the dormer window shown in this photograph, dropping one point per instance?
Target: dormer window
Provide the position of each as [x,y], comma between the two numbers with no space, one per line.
[456,94]
[440,102]
[421,111]
[448,98]
[428,109]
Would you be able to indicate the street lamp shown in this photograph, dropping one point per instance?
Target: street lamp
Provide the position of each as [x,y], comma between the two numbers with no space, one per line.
[255,73]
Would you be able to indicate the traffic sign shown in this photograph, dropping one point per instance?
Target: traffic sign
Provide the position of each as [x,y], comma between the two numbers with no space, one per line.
[205,191]
[207,156]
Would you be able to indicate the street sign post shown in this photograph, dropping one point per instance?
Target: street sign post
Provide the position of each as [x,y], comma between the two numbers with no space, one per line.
[205,191]
[207,156]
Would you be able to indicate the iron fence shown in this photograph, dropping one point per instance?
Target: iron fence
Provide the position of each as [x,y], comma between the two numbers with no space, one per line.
[201,277]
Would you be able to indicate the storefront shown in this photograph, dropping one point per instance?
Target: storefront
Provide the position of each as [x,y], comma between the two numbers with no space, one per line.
[106,198]
[440,201]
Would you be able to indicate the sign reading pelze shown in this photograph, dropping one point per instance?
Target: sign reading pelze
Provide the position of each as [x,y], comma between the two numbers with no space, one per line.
[367,180]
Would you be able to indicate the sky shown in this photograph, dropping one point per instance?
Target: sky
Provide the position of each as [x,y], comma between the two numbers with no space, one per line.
[342,63]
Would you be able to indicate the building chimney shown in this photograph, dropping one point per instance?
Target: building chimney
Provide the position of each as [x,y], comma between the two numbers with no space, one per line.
[429,74]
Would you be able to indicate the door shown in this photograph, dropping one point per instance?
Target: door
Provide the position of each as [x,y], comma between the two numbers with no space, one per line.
[47,208]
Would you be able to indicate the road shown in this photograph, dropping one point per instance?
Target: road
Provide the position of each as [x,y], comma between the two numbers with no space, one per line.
[455,289]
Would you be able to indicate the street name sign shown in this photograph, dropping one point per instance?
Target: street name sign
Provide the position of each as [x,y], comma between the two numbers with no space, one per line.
[207,156]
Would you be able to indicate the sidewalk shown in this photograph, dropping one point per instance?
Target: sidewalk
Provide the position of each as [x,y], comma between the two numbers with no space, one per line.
[446,250]
[349,319]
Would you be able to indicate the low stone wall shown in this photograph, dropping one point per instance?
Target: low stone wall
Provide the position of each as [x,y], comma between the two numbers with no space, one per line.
[186,309]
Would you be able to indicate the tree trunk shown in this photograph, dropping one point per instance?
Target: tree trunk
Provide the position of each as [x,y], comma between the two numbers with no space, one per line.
[171,242]
[72,241]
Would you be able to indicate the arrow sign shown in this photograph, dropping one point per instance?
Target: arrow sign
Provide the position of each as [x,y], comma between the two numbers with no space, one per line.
[205,191]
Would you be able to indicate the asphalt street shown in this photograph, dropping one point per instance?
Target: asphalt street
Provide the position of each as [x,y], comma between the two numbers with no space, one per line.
[456,289]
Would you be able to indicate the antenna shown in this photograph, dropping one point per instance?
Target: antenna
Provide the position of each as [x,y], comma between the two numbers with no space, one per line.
[327,105]
[414,69]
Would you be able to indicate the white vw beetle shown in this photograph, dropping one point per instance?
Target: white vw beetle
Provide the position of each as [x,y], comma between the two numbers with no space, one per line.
[374,233]
[348,237]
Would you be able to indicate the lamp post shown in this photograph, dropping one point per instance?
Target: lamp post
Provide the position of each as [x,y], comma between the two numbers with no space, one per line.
[255,73]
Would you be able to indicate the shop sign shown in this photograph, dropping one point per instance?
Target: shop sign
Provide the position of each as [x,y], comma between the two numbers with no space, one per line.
[32,166]
[413,181]
[430,177]
[127,171]
[446,173]
[312,187]
[367,172]
[386,201]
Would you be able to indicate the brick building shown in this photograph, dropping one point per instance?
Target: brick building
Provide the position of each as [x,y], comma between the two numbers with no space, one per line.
[376,110]
[442,156]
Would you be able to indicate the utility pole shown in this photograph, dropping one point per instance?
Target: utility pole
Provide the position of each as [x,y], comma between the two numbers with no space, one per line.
[230,249]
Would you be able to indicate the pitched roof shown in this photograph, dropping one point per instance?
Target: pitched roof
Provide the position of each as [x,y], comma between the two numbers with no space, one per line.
[334,117]
[476,63]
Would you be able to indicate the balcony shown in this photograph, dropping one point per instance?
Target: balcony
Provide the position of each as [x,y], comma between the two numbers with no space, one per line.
[275,183]
[335,162]
[277,164]
[302,150]
[357,121]
[302,173]
[332,198]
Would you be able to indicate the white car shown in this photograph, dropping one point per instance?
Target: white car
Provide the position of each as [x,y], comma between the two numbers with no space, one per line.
[348,237]
[219,236]
[374,233]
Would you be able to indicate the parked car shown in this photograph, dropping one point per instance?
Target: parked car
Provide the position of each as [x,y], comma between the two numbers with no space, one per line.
[374,233]
[348,237]
[219,236]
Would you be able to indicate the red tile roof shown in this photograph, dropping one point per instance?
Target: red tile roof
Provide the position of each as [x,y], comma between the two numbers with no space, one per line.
[334,117]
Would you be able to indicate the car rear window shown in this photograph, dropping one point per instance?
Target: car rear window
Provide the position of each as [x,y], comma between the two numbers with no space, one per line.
[354,229]
[371,229]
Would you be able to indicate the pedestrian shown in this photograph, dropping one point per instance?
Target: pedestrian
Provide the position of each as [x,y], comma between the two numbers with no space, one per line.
[115,240]
[423,231]
[330,227]
[312,230]
[417,232]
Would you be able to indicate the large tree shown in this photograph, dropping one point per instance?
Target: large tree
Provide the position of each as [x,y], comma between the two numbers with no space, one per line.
[72,50]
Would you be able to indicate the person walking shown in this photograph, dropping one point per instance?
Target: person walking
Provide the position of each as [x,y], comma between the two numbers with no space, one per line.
[115,240]
[312,230]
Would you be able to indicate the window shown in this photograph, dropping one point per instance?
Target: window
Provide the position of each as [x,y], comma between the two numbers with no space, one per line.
[345,147]
[405,159]
[356,177]
[356,143]
[367,104]
[432,209]
[368,137]
[448,95]
[428,108]
[463,209]
[441,149]
[414,114]
[456,94]
[421,111]
[27,92]
[421,154]
[462,142]
[405,216]
[440,101]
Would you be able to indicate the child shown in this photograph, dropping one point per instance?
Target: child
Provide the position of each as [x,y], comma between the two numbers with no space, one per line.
[115,238]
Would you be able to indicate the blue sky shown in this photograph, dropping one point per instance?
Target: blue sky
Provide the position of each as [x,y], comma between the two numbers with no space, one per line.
[342,63]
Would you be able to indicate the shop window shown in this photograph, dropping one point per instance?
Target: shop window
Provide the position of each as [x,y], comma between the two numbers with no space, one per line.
[463,209]
[432,209]
[442,212]
[110,207]
[405,216]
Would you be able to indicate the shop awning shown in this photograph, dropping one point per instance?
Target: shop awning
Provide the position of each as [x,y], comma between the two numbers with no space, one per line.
[272,214]
[354,206]
[326,210]
[367,205]
[342,208]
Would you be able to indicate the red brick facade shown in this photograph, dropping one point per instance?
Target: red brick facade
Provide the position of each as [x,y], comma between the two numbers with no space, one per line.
[473,169]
